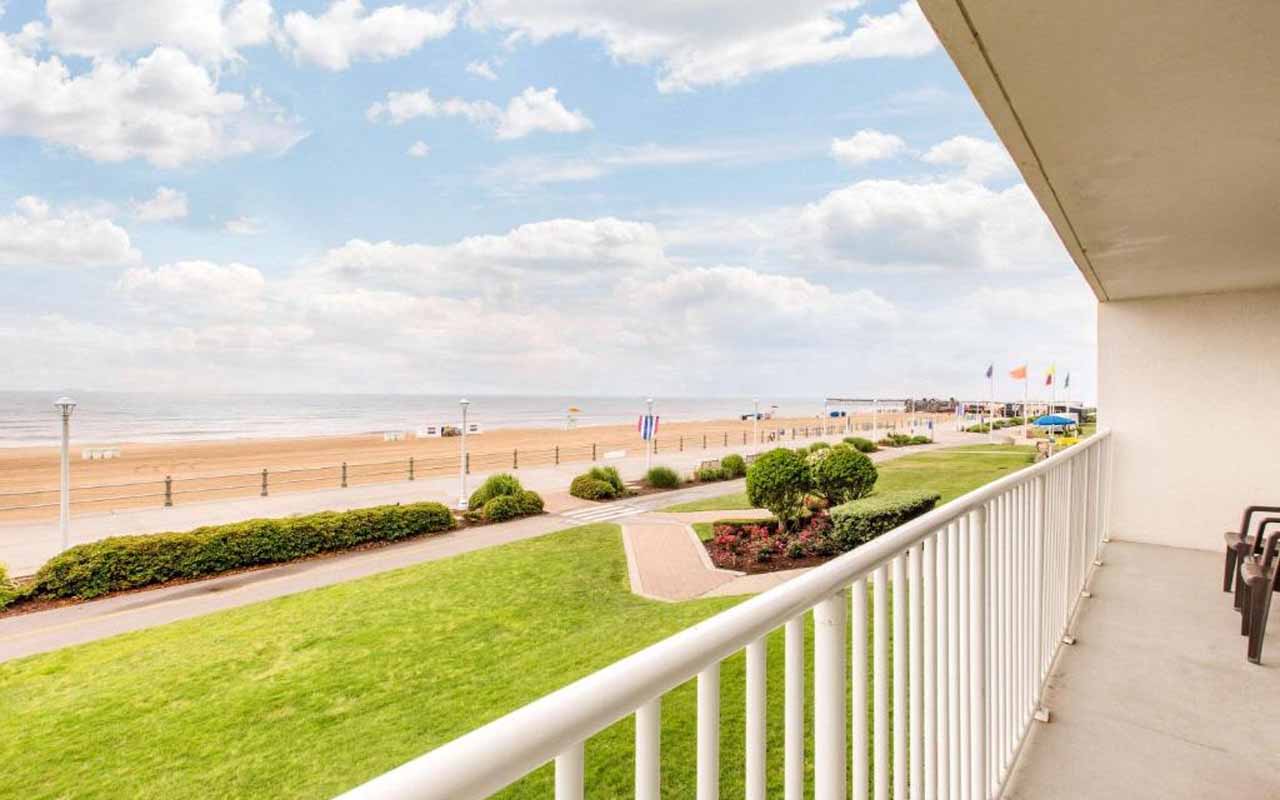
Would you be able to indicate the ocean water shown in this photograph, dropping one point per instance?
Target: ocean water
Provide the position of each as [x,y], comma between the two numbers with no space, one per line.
[29,419]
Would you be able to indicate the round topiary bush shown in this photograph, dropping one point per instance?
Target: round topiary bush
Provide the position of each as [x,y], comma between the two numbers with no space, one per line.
[711,474]
[842,474]
[610,476]
[734,465]
[662,478]
[502,508]
[778,481]
[589,488]
[494,486]
[530,502]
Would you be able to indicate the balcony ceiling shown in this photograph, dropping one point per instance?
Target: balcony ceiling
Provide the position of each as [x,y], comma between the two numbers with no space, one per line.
[1149,130]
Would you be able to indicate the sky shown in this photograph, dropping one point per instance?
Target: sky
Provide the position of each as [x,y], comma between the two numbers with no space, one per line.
[514,196]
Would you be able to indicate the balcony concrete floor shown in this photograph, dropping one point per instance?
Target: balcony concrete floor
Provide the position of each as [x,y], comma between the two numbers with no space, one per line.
[1156,698]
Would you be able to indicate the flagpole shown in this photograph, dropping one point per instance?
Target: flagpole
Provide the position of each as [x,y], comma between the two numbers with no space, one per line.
[1026,380]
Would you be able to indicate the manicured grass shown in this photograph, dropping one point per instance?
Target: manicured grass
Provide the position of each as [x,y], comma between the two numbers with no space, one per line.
[951,472]
[703,529]
[309,695]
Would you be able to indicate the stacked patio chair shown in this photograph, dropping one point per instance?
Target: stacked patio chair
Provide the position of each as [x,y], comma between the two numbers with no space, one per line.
[1252,573]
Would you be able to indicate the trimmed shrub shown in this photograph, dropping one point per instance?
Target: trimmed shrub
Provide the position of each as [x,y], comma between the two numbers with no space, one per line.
[8,592]
[858,522]
[734,465]
[502,508]
[842,474]
[895,440]
[662,478]
[589,488]
[530,503]
[610,476]
[494,486]
[862,445]
[128,562]
[921,440]
[778,480]
[711,474]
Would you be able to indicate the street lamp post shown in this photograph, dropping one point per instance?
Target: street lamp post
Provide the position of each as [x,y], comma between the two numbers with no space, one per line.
[648,445]
[755,427]
[65,406]
[462,459]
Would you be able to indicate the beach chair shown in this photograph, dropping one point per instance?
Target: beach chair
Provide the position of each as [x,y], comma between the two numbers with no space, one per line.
[1239,544]
[1260,577]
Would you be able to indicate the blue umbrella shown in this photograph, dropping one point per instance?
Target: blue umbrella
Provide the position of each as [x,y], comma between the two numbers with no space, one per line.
[1053,421]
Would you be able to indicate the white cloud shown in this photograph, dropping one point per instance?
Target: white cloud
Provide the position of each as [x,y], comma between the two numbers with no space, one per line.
[933,225]
[346,32]
[482,69]
[37,235]
[526,171]
[211,30]
[166,204]
[866,145]
[244,226]
[530,111]
[164,108]
[194,287]
[419,149]
[977,159]
[700,44]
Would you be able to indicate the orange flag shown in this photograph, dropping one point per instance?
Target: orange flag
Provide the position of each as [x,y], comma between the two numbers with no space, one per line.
[1019,373]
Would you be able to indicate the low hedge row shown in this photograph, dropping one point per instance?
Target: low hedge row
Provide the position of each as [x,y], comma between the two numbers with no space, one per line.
[8,592]
[859,521]
[861,444]
[129,562]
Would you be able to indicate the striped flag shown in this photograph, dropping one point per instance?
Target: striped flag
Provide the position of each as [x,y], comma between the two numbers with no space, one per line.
[1048,376]
[648,426]
[1019,373]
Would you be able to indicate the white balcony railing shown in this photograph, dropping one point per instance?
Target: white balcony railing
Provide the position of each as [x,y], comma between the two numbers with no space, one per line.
[991,583]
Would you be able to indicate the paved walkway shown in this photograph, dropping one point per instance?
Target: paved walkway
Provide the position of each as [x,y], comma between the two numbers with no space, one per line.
[28,634]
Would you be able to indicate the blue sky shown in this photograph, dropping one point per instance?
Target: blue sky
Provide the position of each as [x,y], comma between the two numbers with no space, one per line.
[512,196]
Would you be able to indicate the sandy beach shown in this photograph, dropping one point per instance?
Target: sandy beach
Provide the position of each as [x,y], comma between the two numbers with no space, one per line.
[207,470]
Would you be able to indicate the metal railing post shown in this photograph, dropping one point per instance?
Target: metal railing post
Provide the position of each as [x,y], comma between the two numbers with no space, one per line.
[467,465]
[593,451]
[978,765]
[344,474]
[515,458]
[168,490]
[681,444]
[410,467]
[264,483]
[557,455]
[704,441]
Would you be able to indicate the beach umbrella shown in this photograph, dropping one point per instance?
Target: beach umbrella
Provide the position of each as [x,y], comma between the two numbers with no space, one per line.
[1053,421]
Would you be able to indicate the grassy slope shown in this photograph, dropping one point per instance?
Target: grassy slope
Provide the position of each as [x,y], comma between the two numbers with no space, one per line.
[951,471]
[308,695]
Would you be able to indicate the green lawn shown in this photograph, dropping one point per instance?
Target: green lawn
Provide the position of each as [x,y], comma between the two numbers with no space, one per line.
[308,695]
[951,472]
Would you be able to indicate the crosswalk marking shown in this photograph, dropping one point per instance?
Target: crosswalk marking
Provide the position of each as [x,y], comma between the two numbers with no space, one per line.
[601,513]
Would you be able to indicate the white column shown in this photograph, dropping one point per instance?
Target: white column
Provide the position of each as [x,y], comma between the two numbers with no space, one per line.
[569,773]
[756,731]
[649,750]
[793,734]
[829,621]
